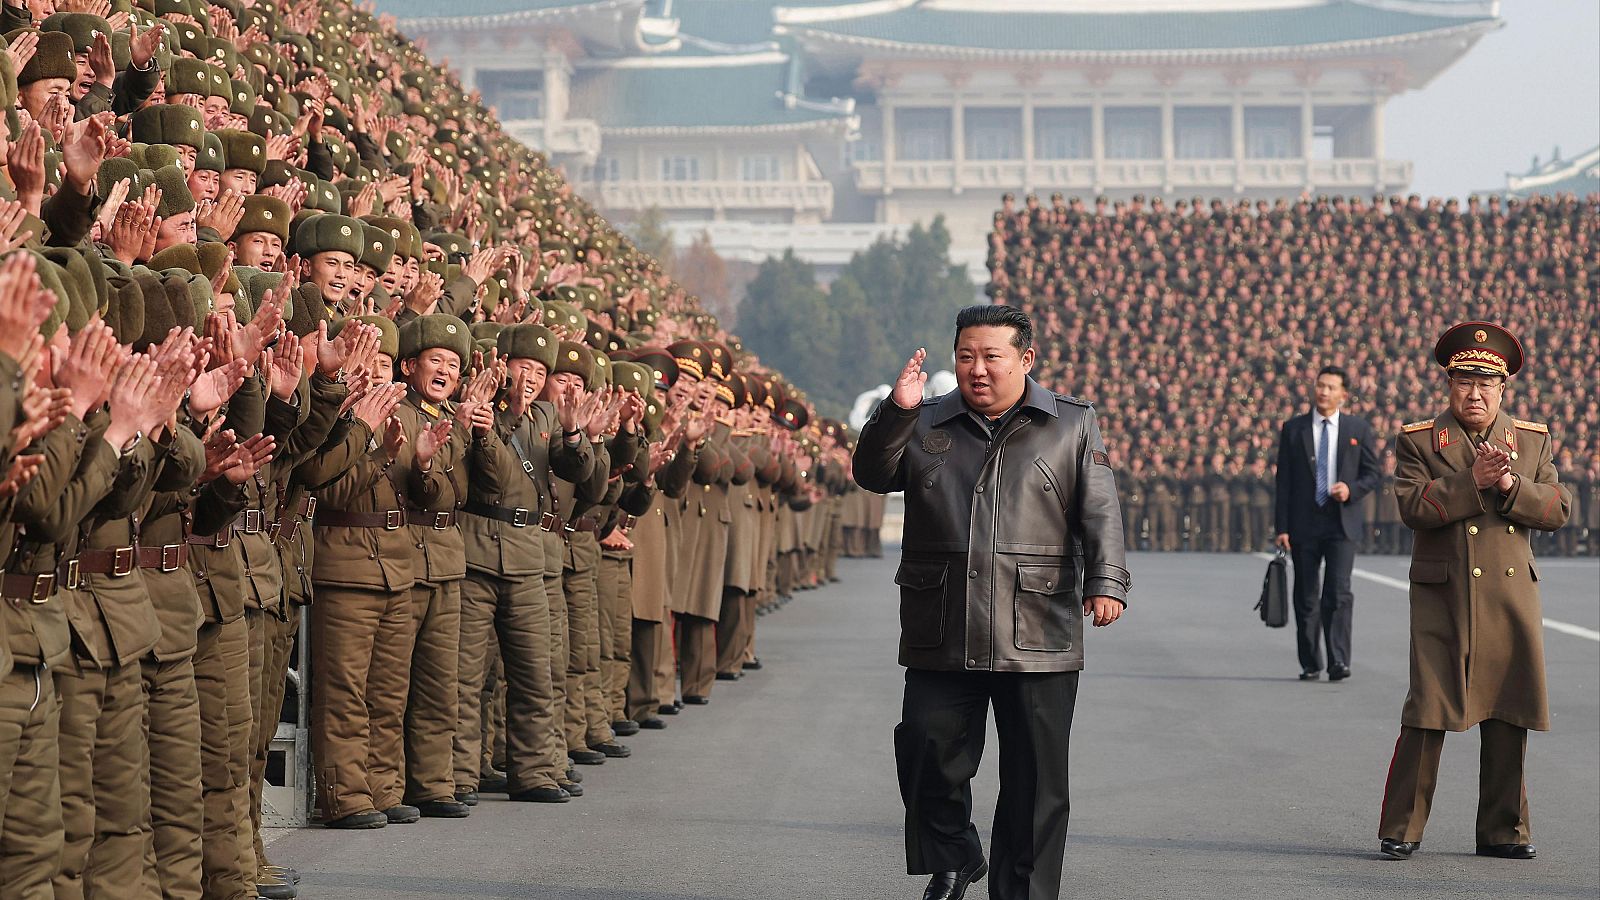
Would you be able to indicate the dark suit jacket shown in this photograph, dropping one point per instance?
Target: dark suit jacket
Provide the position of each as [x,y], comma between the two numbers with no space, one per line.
[1357,466]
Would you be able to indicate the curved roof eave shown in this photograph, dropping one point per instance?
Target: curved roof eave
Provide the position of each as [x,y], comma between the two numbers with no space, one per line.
[820,39]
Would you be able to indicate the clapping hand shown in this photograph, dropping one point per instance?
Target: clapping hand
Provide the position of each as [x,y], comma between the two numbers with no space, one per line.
[1492,468]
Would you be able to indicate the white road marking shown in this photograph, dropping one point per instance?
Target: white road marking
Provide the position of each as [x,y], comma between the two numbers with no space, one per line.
[1400,585]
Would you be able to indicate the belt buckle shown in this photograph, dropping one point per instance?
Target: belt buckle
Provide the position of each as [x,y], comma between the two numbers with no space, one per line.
[222,539]
[311,508]
[441,521]
[252,521]
[519,518]
[527,467]
[548,521]
[43,587]
[393,519]
[73,575]
[170,557]
[628,521]
[274,529]
[122,562]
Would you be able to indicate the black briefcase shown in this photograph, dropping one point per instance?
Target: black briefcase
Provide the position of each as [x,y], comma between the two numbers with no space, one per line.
[1274,602]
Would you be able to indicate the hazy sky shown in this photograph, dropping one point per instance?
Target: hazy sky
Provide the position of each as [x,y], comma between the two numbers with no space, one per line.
[1524,89]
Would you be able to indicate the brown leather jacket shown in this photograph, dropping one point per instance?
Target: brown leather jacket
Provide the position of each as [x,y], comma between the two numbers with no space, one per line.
[1003,538]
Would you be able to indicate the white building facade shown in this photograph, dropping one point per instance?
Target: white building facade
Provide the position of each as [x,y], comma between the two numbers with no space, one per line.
[823,125]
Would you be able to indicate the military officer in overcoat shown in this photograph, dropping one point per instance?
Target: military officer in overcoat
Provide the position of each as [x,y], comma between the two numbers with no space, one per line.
[1472,483]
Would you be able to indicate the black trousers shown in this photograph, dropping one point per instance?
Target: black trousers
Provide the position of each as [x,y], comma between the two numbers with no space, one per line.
[1323,603]
[938,745]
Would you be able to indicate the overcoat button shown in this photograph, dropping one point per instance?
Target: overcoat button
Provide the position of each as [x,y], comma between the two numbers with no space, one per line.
[980,488]
[1472,529]
[1510,571]
[1476,572]
[1511,529]
[973,573]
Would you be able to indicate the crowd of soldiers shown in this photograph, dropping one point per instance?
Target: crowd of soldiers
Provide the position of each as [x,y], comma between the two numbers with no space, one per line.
[1219,311]
[290,330]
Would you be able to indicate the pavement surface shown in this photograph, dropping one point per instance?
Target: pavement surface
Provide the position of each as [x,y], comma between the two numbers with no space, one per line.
[1201,768]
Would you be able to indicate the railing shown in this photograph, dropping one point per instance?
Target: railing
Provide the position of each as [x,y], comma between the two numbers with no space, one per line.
[569,137]
[799,196]
[1152,175]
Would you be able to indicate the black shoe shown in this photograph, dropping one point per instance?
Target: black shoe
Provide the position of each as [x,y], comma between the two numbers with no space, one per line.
[953,885]
[727,676]
[625,728]
[573,775]
[612,750]
[678,705]
[1310,675]
[369,819]
[668,709]
[1338,673]
[586,757]
[572,788]
[1508,851]
[401,814]
[444,809]
[282,873]
[492,782]
[653,723]
[541,795]
[1398,849]
[271,887]
[696,700]
[470,798]
[753,665]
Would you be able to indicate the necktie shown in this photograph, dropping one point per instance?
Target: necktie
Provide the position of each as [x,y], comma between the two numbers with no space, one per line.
[1323,448]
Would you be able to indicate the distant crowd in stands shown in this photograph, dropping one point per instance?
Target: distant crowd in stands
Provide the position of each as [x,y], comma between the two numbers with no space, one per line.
[1194,328]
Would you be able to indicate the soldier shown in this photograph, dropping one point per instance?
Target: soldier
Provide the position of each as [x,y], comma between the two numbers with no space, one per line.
[1387,513]
[1133,483]
[1216,509]
[434,350]
[1239,520]
[1259,531]
[1472,483]
[508,518]
[1196,494]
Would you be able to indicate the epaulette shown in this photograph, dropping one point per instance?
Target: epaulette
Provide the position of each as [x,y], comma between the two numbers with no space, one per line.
[1417,426]
[1075,401]
[1531,426]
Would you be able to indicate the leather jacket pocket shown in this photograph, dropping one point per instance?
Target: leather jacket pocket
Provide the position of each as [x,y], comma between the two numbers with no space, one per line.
[1044,608]
[922,602]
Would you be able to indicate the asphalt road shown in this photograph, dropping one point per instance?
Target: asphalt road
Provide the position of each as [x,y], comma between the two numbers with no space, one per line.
[1201,768]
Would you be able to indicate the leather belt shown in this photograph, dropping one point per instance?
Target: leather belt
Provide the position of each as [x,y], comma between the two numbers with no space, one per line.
[388,520]
[626,521]
[516,517]
[438,521]
[304,511]
[550,522]
[31,588]
[219,540]
[251,521]
[586,524]
[164,558]
[117,562]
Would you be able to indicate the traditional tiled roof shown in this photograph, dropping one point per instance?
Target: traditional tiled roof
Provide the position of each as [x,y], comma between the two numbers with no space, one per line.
[1579,175]
[961,27]
[431,11]
[744,94]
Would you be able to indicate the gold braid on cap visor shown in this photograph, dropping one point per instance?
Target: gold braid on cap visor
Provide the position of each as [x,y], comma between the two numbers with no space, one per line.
[1478,357]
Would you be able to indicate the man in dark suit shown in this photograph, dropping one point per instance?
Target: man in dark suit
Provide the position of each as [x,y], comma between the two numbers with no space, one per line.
[1327,463]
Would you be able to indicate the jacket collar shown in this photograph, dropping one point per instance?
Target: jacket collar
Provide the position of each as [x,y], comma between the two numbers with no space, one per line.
[951,405]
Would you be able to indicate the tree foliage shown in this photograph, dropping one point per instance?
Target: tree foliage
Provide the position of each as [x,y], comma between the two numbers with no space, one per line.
[890,299]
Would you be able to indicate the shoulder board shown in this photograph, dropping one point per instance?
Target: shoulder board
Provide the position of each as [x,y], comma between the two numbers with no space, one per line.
[430,409]
[1417,426]
[1531,426]
[1075,401]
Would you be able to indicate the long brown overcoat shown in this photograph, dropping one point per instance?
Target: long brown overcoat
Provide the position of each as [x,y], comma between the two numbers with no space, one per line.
[1477,638]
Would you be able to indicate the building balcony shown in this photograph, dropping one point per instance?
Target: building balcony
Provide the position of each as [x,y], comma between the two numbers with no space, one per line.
[812,198]
[568,137]
[1148,175]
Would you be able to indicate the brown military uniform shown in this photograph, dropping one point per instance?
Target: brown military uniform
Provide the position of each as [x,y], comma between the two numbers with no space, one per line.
[1477,648]
[363,571]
